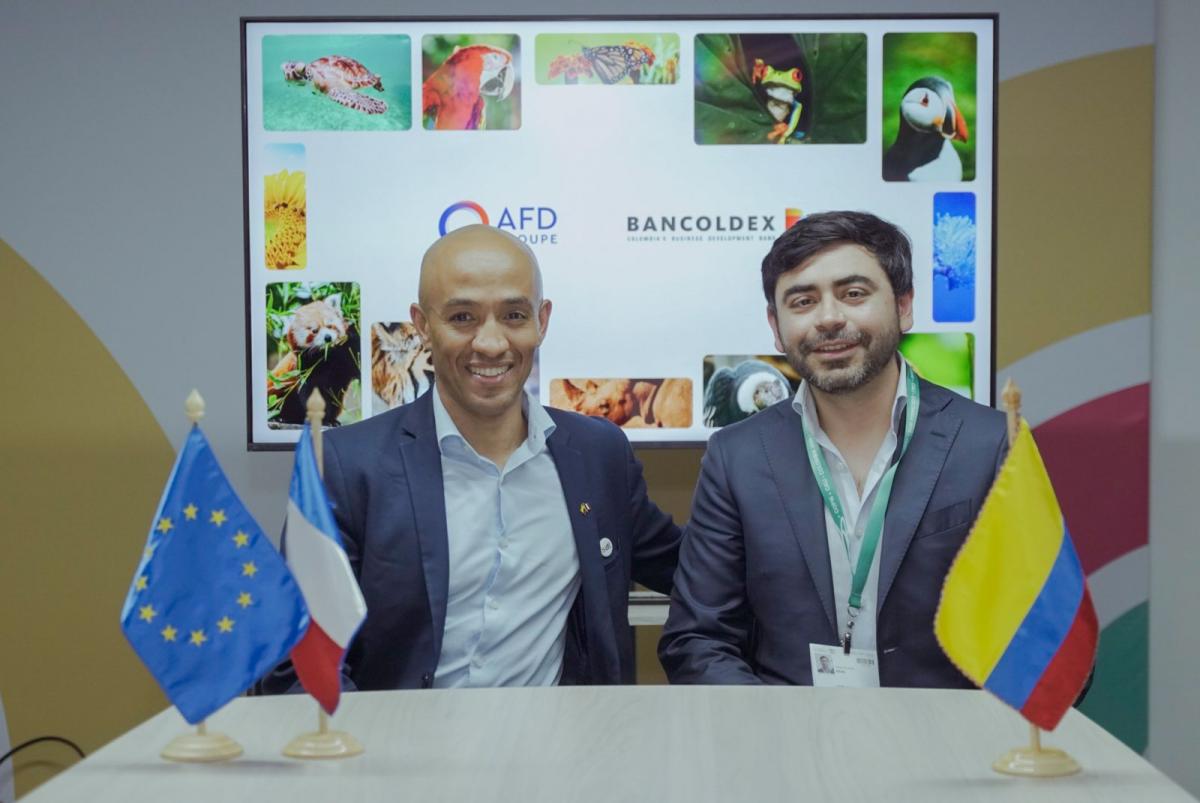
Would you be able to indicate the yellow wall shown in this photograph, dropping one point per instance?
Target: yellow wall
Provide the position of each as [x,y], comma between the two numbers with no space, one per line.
[1075,146]
[82,467]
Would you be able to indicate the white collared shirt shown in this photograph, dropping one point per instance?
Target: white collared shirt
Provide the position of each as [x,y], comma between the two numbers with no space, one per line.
[514,568]
[858,512]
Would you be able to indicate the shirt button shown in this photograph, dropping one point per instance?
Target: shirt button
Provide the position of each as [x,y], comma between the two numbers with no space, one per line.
[504,543]
[476,663]
[493,604]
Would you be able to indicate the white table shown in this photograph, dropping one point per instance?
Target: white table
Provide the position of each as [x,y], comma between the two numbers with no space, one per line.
[636,743]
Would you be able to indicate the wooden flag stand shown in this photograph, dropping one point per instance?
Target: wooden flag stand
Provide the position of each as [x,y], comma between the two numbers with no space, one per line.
[1036,761]
[322,743]
[1033,761]
[200,746]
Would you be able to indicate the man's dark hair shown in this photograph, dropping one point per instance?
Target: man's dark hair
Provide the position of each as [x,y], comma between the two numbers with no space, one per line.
[820,232]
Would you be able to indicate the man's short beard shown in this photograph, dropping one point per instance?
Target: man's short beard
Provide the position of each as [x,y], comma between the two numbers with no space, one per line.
[878,352]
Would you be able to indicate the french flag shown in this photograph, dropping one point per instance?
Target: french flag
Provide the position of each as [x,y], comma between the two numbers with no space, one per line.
[322,570]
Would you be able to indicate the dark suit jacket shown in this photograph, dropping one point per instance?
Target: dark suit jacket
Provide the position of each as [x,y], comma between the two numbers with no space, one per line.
[754,586]
[384,478]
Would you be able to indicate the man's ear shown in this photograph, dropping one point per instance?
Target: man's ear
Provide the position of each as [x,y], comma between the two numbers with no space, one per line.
[773,319]
[543,319]
[904,311]
[420,321]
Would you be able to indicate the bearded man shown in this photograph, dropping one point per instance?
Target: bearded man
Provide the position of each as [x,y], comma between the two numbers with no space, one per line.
[822,528]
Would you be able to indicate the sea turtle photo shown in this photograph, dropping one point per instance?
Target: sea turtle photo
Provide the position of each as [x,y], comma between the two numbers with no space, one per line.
[339,78]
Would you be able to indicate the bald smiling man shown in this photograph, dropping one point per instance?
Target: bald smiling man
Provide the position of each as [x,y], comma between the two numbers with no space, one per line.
[494,539]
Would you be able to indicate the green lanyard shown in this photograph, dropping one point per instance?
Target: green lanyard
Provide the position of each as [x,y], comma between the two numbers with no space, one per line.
[820,470]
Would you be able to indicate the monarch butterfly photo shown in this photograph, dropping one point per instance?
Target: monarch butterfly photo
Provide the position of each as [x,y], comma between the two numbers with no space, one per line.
[607,58]
[613,62]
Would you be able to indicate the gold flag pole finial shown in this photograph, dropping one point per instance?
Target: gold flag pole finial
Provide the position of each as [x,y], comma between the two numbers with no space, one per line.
[194,406]
[316,414]
[324,743]
[1011,396]
[1034,760]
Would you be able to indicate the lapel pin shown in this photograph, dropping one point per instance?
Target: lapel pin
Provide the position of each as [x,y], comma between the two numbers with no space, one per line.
[585,508]
[605,547]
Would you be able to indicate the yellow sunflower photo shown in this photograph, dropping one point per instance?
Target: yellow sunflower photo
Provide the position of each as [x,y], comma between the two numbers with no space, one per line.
[285,229]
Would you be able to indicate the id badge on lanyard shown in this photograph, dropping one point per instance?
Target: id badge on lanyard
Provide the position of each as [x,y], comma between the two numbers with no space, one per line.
[835,667]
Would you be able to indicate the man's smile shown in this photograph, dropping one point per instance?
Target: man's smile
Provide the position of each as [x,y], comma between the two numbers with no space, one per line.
[489,374]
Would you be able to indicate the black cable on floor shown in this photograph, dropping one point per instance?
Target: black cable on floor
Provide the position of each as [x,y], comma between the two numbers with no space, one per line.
[34,741]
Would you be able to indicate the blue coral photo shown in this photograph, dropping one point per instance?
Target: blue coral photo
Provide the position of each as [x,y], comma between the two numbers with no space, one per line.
[954,235]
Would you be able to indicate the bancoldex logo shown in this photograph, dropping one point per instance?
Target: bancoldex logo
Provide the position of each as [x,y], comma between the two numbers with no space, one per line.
[713,227]
[534,225]
[701,223]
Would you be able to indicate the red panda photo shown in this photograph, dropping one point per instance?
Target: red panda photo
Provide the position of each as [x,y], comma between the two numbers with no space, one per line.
[323,354]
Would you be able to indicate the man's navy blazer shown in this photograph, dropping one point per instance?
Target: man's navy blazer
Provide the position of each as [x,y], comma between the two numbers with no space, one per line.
[384,478]
[754,586]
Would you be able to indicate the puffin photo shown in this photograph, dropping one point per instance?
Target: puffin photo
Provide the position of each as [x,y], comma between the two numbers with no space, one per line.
[930,123]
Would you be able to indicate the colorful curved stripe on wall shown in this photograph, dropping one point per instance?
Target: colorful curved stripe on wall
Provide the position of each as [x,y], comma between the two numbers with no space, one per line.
[1092,426]
[1099,452]
[1073,330]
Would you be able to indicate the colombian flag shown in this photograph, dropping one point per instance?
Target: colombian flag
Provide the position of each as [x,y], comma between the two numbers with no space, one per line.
[1015,615]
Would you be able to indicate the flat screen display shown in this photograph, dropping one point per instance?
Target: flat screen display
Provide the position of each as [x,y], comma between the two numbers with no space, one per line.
[648,163]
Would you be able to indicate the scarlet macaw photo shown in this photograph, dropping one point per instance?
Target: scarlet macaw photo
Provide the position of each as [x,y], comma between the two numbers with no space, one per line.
[472,83]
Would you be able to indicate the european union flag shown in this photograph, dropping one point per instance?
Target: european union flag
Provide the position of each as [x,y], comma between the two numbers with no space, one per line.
[213,606]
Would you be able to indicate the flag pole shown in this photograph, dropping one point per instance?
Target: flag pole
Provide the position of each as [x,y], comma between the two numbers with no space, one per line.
[1034,760]
[323,743]
[201,745]
[316,414]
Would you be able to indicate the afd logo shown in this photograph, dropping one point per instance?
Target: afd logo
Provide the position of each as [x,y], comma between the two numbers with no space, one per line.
[534,225]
